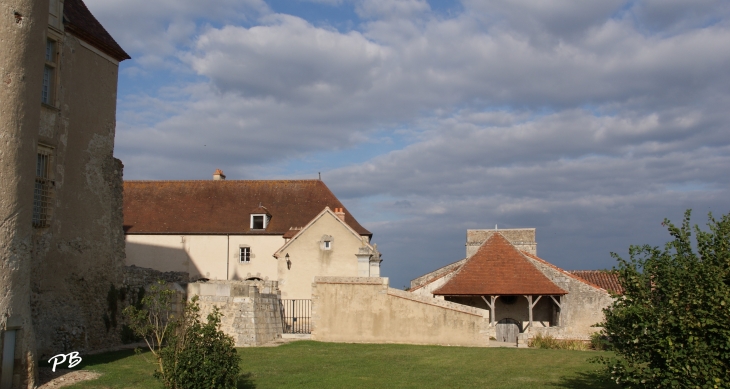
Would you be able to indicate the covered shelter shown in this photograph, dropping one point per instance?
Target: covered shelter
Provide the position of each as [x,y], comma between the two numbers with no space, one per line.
[504,279]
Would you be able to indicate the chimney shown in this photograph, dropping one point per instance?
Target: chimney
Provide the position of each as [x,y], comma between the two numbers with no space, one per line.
[339,212]
[218,175]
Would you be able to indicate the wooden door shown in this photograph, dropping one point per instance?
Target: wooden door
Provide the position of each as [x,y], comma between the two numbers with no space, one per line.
[507,330]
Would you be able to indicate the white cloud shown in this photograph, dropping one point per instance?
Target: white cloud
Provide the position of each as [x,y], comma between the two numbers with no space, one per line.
[572,118]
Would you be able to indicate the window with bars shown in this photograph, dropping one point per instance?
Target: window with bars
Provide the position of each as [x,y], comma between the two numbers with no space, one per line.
[49,74]
[43,190]
[244,254]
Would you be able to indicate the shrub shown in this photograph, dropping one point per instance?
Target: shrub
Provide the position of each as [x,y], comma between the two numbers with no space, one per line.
[200,355]
[189,354]
[549,342]
[671,327]
[600,342]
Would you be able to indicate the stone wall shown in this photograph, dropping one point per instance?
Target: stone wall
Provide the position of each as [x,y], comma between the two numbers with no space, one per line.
[522,238]
[582,307]
[135,276]
[251,309]
[366,310]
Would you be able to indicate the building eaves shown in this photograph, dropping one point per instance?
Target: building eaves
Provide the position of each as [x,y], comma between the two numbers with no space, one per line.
[79,21]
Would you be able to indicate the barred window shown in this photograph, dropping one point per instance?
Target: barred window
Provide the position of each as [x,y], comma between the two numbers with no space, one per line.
[43,190]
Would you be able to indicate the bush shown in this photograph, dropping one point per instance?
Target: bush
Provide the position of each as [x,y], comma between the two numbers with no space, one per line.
[549,342]
[600,342]
[189,354]
[671,327]
[200,355]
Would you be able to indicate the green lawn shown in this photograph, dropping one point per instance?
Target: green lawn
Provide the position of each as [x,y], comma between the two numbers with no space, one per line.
[307,364]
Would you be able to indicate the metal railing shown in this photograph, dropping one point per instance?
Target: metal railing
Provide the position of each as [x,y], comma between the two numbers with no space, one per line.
[297,316]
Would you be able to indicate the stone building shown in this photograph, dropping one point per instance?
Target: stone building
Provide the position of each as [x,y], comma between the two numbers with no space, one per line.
[524,294]
[61,241]
[288,231]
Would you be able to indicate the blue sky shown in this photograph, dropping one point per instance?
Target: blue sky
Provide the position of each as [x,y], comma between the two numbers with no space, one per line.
[590,121]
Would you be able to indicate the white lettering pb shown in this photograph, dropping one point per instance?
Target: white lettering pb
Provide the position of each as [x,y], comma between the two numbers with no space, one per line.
[56,362]
[73,360]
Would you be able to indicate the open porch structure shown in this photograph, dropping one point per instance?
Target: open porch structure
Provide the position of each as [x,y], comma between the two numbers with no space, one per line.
[501,278]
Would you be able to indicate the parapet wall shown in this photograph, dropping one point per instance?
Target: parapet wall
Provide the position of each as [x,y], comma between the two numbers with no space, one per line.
[251,309]
[366,310]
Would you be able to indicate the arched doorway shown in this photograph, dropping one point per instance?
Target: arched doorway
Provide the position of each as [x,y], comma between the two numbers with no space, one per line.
[507,330]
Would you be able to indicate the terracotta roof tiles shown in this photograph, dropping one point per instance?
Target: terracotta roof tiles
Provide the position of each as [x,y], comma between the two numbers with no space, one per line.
[499,268]
[605,279]
[225,206]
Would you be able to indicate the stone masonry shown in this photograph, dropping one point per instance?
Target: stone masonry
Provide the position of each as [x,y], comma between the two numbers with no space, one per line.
[251,309]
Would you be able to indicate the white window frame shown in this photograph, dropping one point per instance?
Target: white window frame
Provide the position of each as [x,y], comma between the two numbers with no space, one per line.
[50,72]
[244,254]
[262,215]
[326,243]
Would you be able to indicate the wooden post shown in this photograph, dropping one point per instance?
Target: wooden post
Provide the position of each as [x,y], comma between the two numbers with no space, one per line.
[491,308]
[531,305]
[560,309]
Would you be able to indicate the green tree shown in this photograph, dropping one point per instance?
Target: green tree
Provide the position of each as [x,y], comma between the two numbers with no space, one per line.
[189,354]
[154,319]
[199,355]
[671,327]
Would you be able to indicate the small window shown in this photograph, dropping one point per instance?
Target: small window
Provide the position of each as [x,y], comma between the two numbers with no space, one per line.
[326,242]
[49,73]
[43,190]
[259,222]
[244,254]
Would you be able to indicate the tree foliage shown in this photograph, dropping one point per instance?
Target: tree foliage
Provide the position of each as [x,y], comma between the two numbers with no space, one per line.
[200,355]
[189,354]
[671,327]
[153,319]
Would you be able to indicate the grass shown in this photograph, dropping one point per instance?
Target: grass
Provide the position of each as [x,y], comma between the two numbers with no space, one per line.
[308,364]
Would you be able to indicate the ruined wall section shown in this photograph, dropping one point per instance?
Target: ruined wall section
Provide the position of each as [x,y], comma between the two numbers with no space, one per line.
[251,309]
[79,257]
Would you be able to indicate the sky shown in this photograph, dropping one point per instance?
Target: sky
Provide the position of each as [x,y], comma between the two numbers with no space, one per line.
[589,121]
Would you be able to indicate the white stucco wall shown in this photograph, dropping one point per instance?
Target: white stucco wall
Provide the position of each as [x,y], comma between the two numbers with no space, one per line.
[211,256]
[309,260]
[216,257]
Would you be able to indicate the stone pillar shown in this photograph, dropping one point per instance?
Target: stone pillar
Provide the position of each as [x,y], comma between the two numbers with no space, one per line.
[363,262]
[22,27]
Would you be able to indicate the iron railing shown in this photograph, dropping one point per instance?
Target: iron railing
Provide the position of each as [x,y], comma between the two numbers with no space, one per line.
[297,316]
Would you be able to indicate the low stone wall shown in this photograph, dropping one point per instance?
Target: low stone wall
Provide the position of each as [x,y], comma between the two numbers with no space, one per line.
[251,309]
[366,310]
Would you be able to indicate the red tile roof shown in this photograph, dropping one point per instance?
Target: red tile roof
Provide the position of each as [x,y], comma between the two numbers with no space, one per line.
[605,279]
[215,207]
[499,268]
[80,22]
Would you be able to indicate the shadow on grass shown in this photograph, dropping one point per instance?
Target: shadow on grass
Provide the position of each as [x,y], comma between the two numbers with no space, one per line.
[590,379]
[94,359]
[245,382]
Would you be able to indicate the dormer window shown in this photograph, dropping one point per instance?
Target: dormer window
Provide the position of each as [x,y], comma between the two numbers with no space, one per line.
[259,221]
